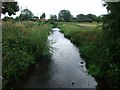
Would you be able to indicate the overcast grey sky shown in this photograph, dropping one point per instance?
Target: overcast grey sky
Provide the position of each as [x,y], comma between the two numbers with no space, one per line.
[54,6]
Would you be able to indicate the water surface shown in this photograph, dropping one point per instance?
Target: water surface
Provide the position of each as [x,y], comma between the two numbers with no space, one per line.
[66,69]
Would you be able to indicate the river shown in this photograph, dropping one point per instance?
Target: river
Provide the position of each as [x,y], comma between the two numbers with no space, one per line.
[66,69]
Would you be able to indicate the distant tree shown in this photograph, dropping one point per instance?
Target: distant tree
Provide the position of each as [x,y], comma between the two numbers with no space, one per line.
[53,18]
[74,19]
[8,19]
[99,19]
[35,18]
[92,17]
[26,15]
[65,15]
[10,7]
[17,18]
[61,19]
[88,18]
[81,18]
[42,16]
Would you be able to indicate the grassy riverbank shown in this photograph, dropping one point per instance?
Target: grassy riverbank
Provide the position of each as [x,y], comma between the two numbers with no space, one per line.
[23,45]
[97,51]
[83,35]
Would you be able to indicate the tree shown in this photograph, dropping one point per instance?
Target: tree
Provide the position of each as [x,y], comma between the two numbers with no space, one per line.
[61,19]
[26,15]
[74,19]
[88,18]
[53,18]
[107,54]
[66,15]
[17,18]
[111,28]
[81,18]
[8,19]
[10,7]
[35,18]
[92,17]
[99,19]
[42,16]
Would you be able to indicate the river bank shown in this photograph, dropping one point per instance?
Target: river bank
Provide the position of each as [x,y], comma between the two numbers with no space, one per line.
[23,45]
[54,73]
[89,38]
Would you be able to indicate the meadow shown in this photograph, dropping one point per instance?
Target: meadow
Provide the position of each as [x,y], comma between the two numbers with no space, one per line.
[23,45]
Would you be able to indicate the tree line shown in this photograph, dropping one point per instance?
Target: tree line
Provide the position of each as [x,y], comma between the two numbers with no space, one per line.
[63,16]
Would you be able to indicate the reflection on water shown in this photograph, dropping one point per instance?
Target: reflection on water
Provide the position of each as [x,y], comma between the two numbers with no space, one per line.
[66,69]
[67,66]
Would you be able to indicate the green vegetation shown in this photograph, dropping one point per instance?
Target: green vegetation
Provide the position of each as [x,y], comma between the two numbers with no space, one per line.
[83,36]
[100,52]
[111,43]
[65,15]
[42,16]
[101,46]
[26,15]
[88,18]
[10,7]
[23,45]
[53,19]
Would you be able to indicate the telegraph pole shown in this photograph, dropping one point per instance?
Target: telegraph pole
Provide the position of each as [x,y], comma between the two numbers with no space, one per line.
[21,15]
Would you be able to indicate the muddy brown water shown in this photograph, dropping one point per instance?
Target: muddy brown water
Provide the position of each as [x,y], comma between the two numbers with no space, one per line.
[66,69]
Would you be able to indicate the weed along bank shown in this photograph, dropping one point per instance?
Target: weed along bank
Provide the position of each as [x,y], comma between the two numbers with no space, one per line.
[54,73]
[23,45]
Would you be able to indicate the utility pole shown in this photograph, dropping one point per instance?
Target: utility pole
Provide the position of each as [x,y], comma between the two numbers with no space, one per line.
[21,15]
[26,13]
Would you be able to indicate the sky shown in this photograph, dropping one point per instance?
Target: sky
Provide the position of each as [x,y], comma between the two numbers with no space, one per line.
[54,6]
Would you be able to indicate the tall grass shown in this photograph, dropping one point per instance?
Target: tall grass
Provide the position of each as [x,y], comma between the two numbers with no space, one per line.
[100,51]
[23,44]
[80,35]
[84,36]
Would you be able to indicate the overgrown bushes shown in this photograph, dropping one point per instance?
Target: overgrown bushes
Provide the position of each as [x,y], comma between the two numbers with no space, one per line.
[23,44]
